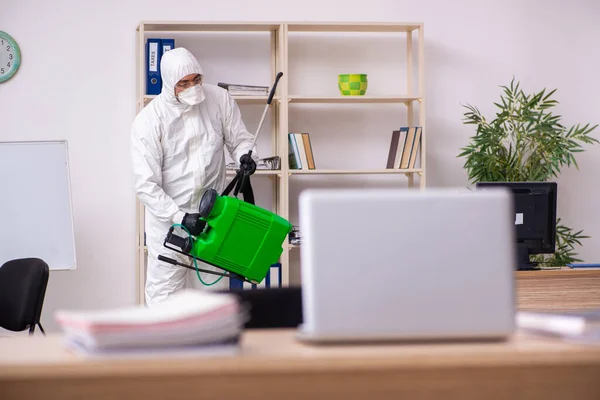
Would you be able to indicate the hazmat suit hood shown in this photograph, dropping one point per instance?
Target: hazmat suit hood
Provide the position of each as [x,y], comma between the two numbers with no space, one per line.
[175,65]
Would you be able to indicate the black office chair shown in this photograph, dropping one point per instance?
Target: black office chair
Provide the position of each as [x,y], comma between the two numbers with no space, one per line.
[23,285]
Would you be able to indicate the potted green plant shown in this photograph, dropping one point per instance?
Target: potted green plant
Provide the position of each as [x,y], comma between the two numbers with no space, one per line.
[526,142]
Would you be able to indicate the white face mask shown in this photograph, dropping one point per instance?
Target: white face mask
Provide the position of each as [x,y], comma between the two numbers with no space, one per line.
[192,95]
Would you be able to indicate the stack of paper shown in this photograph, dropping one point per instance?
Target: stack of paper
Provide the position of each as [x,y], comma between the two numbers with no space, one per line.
[581,326]
[188,322]
[244,90]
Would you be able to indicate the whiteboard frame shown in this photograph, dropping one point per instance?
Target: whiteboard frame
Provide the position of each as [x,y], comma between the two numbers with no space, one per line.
[65,144]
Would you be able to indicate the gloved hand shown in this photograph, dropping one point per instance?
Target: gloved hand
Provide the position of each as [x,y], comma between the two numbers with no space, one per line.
[193,223]
[247,164]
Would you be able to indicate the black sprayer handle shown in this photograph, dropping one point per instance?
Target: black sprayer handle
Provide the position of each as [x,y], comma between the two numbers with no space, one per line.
[167,259]
[279,75]
[207,271]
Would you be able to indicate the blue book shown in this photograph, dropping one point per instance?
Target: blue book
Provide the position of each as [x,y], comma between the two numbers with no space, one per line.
[582,265]
[273,278]
[235,283]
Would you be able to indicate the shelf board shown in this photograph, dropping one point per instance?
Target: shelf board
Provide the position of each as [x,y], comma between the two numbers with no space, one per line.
[354,172]
[190,26]
[259,172]
[238,99]
[159,26]
[253,99]
[319,99]
[352,27]
[352,99]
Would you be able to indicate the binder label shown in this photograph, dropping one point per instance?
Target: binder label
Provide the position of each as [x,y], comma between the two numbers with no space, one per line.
[519,219]
[153,67]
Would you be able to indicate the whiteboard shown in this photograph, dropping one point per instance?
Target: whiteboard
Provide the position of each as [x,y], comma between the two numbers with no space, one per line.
[35,203]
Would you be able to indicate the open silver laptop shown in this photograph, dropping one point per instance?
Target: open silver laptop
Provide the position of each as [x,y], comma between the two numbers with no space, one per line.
[387,264]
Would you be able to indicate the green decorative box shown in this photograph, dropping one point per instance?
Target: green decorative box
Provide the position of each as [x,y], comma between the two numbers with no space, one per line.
[352,84]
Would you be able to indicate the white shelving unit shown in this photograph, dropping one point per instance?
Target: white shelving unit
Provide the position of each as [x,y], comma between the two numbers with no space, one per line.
[279,34]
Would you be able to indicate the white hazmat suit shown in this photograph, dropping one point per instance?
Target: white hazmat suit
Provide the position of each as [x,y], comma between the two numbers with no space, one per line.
[178,153]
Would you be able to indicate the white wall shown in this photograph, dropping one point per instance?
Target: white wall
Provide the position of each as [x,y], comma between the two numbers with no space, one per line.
[77,82]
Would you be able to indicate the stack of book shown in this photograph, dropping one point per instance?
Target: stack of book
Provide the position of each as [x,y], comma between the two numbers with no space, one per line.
[300,154]
[244,90]
[404,148]
[189,322]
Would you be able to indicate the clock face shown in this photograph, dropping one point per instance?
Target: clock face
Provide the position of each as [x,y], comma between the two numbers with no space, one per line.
[10,56]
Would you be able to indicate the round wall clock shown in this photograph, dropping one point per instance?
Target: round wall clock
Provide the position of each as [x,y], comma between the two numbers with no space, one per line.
[10,57]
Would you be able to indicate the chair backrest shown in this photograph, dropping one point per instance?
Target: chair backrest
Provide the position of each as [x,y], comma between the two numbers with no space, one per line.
[22,290]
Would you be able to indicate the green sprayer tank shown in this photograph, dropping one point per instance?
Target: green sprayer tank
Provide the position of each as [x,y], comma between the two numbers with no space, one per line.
[239,237]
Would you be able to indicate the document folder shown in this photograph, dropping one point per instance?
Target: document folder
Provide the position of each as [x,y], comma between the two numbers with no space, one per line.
[154,51]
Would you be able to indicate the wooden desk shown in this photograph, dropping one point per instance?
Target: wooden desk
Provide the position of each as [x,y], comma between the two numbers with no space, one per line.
[559,290]
[272,365]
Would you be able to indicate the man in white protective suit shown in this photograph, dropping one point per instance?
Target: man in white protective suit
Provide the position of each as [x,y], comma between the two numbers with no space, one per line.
[177,147]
